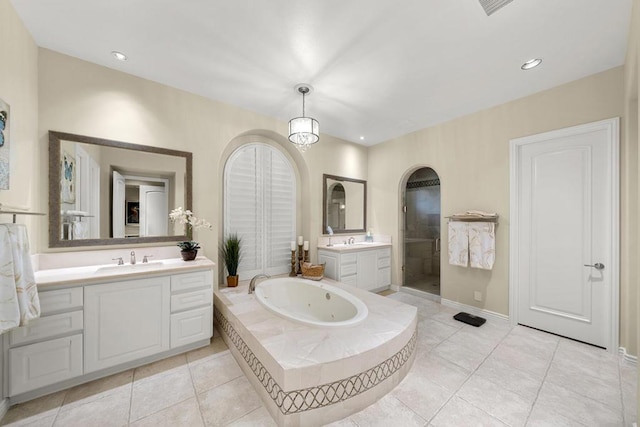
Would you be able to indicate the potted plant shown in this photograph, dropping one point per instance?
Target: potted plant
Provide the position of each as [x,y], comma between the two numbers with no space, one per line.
[189,248]
[230,250]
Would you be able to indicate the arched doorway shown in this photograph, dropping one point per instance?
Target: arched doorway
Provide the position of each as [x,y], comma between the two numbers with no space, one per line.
[422,242]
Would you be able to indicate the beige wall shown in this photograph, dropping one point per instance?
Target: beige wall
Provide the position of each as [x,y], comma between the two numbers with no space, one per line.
[471,156]
[19,88]
[83,98]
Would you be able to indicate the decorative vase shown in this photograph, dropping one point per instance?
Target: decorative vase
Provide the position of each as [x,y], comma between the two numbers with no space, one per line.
[189,255]
[232,281]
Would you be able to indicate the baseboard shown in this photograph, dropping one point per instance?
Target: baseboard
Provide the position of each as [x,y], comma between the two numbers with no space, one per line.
[630,358]
[426,295]
[4,407]
[475,310]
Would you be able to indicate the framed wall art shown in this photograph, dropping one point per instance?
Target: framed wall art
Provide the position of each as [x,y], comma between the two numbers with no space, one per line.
[68,178]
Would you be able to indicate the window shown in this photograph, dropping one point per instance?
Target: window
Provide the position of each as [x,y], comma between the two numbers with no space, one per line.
[260,205]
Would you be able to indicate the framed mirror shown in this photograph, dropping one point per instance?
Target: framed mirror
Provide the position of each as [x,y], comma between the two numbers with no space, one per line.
[344,202]
[104,192]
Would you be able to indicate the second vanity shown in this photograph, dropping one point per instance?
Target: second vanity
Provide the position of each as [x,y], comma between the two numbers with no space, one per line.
[362,265]
[96,321]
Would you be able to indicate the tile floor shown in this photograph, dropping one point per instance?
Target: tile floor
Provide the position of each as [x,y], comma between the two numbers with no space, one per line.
[462,376]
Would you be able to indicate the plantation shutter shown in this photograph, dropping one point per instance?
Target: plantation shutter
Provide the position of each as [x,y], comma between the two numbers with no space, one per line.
[259,205]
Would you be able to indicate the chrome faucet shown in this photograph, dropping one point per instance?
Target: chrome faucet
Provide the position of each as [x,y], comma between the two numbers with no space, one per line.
[133,257]
[252,283]
[352,240]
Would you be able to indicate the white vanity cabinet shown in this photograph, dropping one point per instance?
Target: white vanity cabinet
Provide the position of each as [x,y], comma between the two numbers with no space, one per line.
[364,268]
[88,331]
[191,308]
[49,349]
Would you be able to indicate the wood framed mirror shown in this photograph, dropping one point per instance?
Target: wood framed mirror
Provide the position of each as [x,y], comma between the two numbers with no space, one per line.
[344,202]
[105,192]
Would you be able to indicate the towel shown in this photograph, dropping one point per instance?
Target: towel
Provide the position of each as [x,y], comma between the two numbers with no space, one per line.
[79,230]
[458,243]
[19,302]
[482,245]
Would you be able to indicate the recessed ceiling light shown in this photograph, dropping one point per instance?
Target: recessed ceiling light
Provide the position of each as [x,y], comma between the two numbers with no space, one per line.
[119,55]
[532,63]
[362,138]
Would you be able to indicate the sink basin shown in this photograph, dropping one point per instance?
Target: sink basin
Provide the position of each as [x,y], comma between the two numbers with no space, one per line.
[130,268]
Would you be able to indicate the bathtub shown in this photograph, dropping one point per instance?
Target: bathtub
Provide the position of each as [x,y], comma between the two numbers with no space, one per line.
[311,303]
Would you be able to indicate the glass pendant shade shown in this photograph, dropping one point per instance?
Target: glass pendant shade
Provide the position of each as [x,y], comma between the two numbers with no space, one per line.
[304,131]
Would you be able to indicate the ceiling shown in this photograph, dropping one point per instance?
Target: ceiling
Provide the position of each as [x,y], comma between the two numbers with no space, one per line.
[380,69]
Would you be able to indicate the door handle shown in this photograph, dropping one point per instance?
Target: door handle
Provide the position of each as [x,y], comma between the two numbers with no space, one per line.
[597,266]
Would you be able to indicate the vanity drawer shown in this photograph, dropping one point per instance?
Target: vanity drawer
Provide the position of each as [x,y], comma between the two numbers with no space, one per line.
[384,262]
[348,259]
[44,363]
[348,270]
[186,281]
[46,327]
[191,326]
[384,253]
[187,300]
[60,300]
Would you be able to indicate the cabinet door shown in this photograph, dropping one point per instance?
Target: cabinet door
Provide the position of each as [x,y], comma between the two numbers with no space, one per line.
[367,270]
[384,277]
[125,321]
[191,326]
[330,262]
[38,365]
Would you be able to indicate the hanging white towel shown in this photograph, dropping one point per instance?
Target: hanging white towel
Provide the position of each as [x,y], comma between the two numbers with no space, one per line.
[79,230]
[458,243]
[19,302]
[482,245]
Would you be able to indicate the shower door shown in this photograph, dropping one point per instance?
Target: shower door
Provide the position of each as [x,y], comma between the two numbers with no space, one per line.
[422,231]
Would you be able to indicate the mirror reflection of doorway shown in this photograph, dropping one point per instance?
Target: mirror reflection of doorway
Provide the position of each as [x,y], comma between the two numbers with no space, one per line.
[336,207]
[422,242]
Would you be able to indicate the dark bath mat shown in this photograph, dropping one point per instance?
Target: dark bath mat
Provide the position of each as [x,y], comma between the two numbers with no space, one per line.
[470,319]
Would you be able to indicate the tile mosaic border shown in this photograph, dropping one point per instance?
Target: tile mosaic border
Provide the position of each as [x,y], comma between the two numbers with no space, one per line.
[295,401]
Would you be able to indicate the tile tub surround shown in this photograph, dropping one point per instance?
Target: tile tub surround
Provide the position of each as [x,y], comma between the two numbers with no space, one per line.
[307,375]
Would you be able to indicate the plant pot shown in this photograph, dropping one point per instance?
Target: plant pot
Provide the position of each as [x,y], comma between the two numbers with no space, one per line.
[189,255]
[232,281]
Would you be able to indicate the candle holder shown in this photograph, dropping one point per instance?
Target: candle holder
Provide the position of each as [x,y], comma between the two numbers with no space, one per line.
[292,273]
[299,271]
[306,256]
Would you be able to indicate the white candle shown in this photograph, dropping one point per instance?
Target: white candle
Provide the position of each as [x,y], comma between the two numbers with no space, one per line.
[293,245]
[306,245]
[299,240]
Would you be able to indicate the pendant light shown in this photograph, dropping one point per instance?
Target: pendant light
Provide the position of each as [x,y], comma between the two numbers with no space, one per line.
[303,131]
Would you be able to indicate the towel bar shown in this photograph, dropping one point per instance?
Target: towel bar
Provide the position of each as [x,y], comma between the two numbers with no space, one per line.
[15,213]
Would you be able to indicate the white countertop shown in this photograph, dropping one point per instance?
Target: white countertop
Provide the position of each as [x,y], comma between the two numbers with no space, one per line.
[104,273]
[359,246]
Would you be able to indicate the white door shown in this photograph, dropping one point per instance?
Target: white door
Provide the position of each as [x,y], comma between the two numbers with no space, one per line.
[88,191]
[154,211]
[117,205]
[564,232]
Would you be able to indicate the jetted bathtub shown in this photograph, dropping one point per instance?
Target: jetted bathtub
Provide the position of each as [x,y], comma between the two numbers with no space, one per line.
[312,303]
